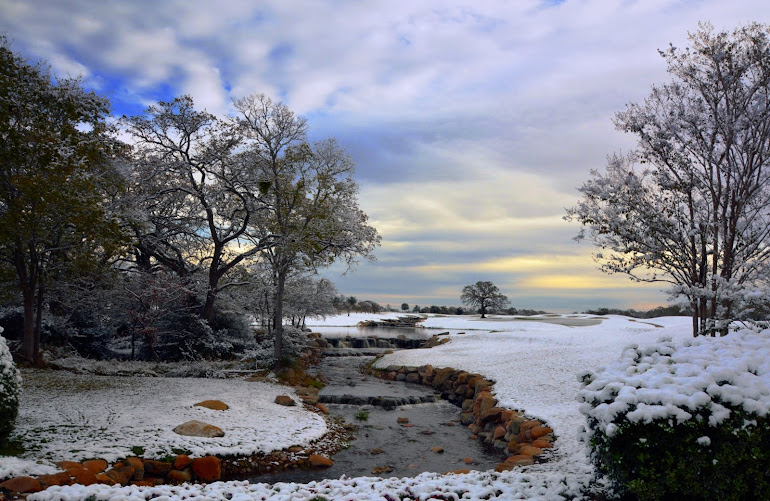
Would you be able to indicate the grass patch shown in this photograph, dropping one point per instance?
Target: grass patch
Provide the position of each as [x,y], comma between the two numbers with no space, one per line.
[362,415]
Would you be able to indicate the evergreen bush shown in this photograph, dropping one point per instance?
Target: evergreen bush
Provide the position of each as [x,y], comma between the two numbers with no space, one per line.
[10,385]
[684,422]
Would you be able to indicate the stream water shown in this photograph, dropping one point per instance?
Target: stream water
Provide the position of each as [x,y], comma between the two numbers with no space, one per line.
[401,449]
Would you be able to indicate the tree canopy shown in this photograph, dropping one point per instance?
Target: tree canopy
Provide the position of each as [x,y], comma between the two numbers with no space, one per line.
[484,296]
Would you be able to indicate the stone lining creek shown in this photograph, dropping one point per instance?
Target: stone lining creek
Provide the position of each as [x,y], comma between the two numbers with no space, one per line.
[408,429]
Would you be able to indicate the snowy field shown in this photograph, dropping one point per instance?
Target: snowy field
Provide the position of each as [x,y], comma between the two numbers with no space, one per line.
[535,364]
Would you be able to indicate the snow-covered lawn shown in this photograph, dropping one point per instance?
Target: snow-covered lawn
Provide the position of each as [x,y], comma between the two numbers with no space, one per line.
[66,416]
[535,364]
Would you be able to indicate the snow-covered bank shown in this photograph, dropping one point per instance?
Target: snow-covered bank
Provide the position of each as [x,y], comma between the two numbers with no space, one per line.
[535,364]
[66,416]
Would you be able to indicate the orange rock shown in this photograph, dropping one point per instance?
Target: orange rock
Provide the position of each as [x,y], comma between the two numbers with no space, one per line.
[437,449]
[121,474]
[499,433]
[195,428]
[182,461]
[179,476]
[519,460]
[487,402]
[83,476]
[95,465]
[504,467]
[490,414]
[540,431]
[207,468]
[402,420]
[138,467]
[529,450]
[541,443]
[285,400]
[528,425]
[468,461]
[102,478]
[61,478]
[458,472]
[22,484]
[318,460]
[66,465]
[215,405]
[155,468]
[321,407]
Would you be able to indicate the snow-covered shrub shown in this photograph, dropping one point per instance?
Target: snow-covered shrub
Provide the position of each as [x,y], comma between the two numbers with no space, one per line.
[683,422]
[294,339]
[10,385]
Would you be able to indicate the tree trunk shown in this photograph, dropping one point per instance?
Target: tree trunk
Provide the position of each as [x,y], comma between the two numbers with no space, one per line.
[28,337]
[278,319]
[211,296]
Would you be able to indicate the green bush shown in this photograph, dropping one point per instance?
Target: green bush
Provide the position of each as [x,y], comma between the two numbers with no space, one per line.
[664,460]
[10,384]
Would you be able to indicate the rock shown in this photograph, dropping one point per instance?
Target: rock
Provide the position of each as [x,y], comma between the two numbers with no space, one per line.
[412,377]
[197,428]
[393,368]
[376,451]
[308,394]
[529,450]
[295,449]
[83,476]
[504,467]
[437,449]
[147,482]
[381,469]
[520,460]
[138,467]
[285,400]
[530,424]
[102,478]
[400,376]
[207,468]
[317,460]
[491,414]
[488,402]
[66,465]
[215,405]
[182,461]
[442,375]
[121,474]
[61,478]
[407,425]
[322,408]
[499,433]
[22,484]
[540,431]
[468,460]
[95,465]
[155,468]
[542,444]
[427,432]
[458,472]
[179,476]
[402,420]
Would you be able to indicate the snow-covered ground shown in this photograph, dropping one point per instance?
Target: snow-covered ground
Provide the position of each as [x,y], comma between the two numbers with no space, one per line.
[535,364]
[66,416]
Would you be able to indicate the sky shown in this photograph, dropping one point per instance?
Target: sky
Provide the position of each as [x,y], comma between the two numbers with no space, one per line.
[472,123]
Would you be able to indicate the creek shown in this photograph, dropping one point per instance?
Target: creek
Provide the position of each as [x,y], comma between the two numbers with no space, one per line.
[401,449]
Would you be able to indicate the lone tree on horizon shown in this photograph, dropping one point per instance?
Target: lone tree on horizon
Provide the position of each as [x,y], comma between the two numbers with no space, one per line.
[484,296]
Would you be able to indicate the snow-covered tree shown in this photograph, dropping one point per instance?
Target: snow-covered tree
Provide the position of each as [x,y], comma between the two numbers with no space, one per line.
[691,206]
[199,195]
[57,169]
[484,296]
[310,198]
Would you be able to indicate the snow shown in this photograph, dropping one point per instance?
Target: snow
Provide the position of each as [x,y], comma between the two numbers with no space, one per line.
[670,380]
[66,416]
[537,364]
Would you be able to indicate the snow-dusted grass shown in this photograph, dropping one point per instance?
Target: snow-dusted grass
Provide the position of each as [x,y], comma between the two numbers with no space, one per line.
[536,365]
[66,416]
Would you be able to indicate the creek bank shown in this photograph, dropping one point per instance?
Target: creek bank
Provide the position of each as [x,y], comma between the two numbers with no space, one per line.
[522,440]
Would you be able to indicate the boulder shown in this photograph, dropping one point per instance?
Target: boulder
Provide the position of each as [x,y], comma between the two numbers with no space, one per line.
[155,468]
[542,444]
[121,474]
[437,449]
[179,476]
[82,476]
[197,428]
[138,467]
[66,465]
[285,400]
[102,478]
[207,468]
[412,377]
[216,405]
[540,431]
[95,465]
[317,460]
[519,460]
[182,461]
[458,472]
[22,484]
